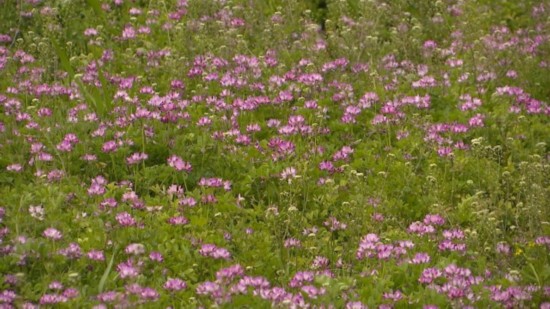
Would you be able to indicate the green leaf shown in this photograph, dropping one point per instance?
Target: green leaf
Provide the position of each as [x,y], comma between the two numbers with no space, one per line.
[198,221]
[96,6]
[106,274]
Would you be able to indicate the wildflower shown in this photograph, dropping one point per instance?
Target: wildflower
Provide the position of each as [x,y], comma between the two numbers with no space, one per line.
[45,157]
[434,220]
[136,157]
[178,164]
[543,240]
[175,285]
[14,168]
[476,121]
[175,190]
[384,251]
[453,234]
[127,270]
[11,280]
[90,32]
[97,186]
[445,151]
[288,174]
[128,33]
[209,288]
[320,262]
[55,285]
[65,146]
[292,243]
[109,146]
[73,251]
[135,249]
[429,275]
[420,258]
[312,291]
[70,293]
[356,305]
[311,104]
[55,175]
[377,217]
[503,248]
[210,250]
[28,305]
[230,273]
[89,157]
[395,296]
[7,296]
[326,166]
[342,154]
[125,219]
[52,233]
[156,256]
[300,278]
[149,294]
[51,299]
[37,212]
[367,246]
[209,199]
[109,297]
[179,220]
[130,196]
[334,225]
[204,121]
[253,128]
[108,202]
[246,281]
[187,201]
[448,245]
[96,255]
[211,182]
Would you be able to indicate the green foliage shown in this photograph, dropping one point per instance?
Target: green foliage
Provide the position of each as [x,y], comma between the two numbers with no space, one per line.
[494,188]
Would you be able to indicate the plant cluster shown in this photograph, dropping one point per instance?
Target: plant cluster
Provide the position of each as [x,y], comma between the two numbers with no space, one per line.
[274,153]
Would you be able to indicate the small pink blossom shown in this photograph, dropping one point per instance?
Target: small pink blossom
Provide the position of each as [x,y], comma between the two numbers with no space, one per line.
[52,233]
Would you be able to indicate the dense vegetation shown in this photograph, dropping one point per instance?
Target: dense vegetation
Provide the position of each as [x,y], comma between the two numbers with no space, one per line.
[270,153]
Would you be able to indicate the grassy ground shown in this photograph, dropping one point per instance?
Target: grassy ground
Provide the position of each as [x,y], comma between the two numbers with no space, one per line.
[316,154]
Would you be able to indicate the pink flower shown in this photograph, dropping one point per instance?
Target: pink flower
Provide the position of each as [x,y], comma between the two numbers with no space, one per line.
[90,32]
[434,219]
[156,256]
[14,168]
[109,146]
[52,233]
[125,219]
[50,299]
[429,275]
[135,249]
[127,270]
[179,220]
[96,255]
[175,284]
[136,157]
[178,164]
[73,251]
[128,33]
[476,121]
[292,243]
[288,174]
[230,273]
[149,294]
[503,248]
[97,186]
[210,250]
